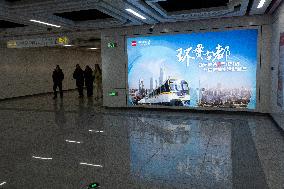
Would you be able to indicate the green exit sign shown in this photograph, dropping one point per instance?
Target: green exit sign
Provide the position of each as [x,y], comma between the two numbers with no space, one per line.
[94,185]
[113,93]
[111,45]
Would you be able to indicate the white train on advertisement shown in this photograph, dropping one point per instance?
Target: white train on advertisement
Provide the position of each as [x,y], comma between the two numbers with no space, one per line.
[172,93]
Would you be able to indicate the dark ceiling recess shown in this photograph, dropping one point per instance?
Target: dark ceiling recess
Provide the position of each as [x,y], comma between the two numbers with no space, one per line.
[12,1]
[25,1]
[273,6]
[249,7]
[180,5]
[7,24]
[84,15]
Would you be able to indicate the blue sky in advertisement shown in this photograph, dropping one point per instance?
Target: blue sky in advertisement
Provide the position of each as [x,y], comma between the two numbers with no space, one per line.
[147,55]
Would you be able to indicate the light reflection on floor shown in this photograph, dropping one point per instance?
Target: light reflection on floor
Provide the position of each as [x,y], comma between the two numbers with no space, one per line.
[179,150]
[134,149]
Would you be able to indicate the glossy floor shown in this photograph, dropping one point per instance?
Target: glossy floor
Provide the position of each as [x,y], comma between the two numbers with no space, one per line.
[68,144]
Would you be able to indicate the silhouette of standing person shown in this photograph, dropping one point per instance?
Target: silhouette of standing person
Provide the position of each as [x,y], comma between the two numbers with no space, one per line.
[57,77]
[89,80]
[79,76]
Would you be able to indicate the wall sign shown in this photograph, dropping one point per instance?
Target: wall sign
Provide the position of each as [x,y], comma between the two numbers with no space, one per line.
[113,93]
[38,42]
[111,45]
[94,185]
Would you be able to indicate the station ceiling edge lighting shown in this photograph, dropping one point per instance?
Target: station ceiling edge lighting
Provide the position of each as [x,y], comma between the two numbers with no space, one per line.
[45,23]
[261,4]
[135,13]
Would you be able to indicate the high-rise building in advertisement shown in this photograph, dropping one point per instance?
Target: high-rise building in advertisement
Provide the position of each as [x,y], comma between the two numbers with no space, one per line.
[156,84]
[141,85]
[151,84]
[161,78]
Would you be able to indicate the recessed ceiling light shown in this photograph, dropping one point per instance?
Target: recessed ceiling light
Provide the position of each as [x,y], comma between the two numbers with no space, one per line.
[72,141]
[96,131]
[43,158]
[136,14]
[45,23]
[93,48]
[261,3]
[89,164]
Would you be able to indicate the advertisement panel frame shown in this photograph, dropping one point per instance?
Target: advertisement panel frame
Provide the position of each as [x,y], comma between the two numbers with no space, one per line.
[223,29]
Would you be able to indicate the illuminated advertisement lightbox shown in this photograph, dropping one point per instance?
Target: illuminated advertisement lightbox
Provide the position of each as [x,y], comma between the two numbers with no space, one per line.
[213,69]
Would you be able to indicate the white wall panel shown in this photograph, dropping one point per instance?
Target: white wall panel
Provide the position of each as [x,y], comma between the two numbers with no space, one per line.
[29,71]
[277,28]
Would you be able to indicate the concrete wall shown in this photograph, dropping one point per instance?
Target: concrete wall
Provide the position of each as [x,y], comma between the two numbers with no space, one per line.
[114,60]
[277,28]
[29,71]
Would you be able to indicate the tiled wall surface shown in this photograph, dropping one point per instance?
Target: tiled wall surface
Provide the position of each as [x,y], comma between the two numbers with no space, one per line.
[114,60]
[29,71]
[277,28]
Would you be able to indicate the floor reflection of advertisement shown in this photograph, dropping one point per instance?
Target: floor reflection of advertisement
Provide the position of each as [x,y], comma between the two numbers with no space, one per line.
[280,91]
[173,149]
[214,69]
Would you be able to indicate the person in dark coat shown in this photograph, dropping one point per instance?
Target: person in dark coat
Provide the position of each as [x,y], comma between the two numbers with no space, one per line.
[89,80]
[57,77]
[79,76]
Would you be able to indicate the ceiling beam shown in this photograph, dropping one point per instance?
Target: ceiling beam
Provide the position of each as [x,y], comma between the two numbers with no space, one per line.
[274,6]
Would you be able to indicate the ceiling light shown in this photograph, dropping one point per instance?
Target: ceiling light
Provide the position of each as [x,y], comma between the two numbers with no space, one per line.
[72,141]
[45,23]
[93,48]
[96,131]
[91,164]
[136,14]
[2,183]
[261,3]
[43,158]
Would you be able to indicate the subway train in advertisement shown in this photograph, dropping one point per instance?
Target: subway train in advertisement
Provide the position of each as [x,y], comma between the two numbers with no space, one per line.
[172,93]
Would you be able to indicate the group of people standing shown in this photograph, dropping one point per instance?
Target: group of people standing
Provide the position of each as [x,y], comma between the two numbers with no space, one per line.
[83,77]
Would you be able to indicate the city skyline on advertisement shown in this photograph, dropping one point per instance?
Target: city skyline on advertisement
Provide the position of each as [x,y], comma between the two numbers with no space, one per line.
[208,62]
